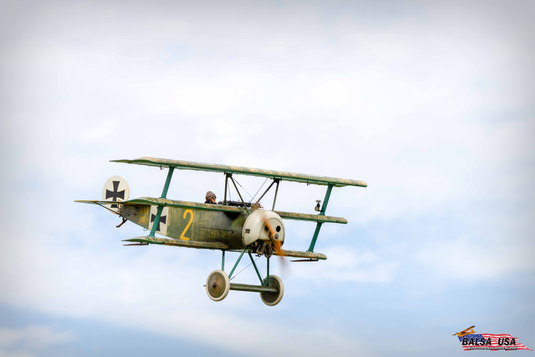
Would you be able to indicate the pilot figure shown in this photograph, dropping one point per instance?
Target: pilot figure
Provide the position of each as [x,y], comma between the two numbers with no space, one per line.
[210,197]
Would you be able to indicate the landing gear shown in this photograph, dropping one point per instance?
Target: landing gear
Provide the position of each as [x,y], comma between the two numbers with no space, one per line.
[270,298]
[217,285]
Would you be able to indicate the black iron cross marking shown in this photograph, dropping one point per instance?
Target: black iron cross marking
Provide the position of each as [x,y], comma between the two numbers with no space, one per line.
[163,219]
[115,194]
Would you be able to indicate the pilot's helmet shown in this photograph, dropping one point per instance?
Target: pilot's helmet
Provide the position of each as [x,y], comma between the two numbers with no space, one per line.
[210,195]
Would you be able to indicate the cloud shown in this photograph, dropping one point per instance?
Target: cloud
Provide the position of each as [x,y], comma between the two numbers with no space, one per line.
[31,340]
[100,132]
[430,105]
[164,289]
[345,264]
[466,260]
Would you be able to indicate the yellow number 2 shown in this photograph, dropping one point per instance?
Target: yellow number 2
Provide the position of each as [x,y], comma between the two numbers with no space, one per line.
[182,236]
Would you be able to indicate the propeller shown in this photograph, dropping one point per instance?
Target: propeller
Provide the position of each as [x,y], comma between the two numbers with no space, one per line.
[277,245]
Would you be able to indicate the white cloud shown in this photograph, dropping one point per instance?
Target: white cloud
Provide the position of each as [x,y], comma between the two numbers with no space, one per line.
[467,260]
[164,288]
[190,96]
[331,94]
[100,131]
[345,264]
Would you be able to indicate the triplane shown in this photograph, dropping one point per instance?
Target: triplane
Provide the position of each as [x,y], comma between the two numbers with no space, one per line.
[234,226]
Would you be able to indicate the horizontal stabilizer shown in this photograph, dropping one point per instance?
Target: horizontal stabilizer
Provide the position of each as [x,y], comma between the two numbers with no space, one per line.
[279,175]
[94,202]
[178,243]
[105,204]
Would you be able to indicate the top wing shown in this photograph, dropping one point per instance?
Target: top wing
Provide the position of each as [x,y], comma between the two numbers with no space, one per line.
[281,175]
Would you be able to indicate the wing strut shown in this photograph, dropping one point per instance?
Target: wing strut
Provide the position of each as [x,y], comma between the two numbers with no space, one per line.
[239,194]
[226,184]
[275,197]
[275,181]
[322,213]
[266,191]
[160,208]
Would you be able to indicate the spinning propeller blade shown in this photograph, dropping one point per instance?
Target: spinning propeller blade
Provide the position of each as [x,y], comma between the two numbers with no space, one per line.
[277,245]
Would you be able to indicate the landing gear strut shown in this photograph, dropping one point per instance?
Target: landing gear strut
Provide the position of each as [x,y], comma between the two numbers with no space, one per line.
[218,284]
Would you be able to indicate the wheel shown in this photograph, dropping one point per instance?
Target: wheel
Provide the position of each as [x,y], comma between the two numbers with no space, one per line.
[272,299]
[217,285]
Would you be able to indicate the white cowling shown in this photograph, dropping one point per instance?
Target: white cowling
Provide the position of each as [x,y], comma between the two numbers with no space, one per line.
[255,227]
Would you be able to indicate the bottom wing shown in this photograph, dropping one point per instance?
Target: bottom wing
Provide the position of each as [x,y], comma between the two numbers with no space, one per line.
[178,243]
[217,245]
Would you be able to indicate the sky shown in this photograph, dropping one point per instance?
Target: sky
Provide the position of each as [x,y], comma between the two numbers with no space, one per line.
[429,102]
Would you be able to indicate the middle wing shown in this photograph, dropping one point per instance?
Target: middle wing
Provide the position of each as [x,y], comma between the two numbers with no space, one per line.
[151,201]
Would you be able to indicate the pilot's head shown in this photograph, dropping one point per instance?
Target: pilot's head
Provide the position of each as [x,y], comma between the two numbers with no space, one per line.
[210,197]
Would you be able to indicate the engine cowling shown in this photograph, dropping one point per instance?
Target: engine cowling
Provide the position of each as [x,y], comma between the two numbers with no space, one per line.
[255,227]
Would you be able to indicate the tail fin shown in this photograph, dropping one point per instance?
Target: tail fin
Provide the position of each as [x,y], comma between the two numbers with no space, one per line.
[115,190]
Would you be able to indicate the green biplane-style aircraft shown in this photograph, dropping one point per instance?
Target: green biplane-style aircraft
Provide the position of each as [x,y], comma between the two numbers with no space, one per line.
[235,226]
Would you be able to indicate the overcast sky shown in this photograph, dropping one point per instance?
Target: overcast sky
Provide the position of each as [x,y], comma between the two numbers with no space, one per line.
[430,103]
